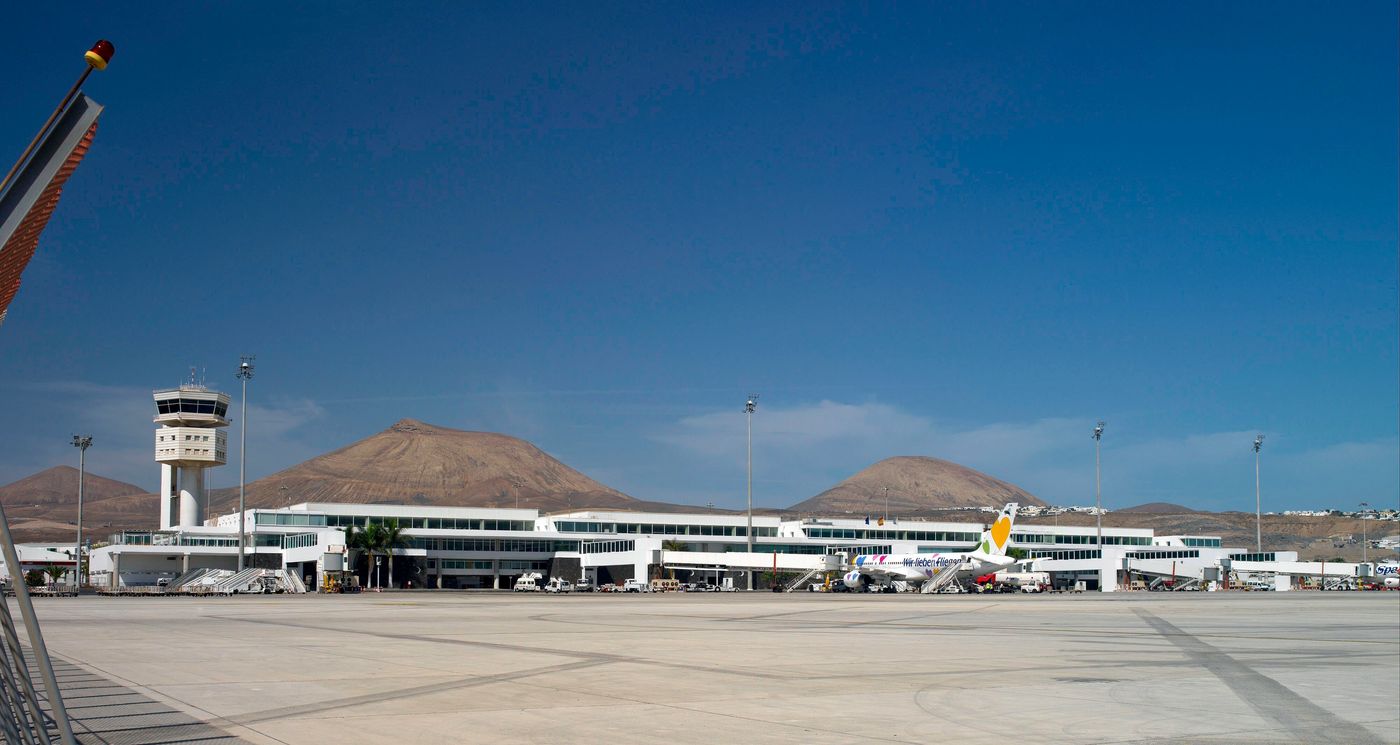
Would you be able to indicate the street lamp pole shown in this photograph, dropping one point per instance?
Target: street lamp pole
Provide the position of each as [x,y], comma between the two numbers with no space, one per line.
[749,407]
[82,443]
[1258,514]
[245,373]
[887,504]
[1098,487]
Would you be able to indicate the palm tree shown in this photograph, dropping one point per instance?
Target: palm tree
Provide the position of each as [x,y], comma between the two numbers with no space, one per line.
[54,572]
[672,544]
[373,543]
[393,537]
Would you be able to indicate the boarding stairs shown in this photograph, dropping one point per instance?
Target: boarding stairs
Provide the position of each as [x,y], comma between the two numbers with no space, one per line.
[292,583]
[793,585]
[238,582]
[1187,584]
[182,580]
[942,580]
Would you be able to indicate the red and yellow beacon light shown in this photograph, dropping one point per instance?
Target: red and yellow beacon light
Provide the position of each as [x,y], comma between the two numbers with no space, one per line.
[100,54]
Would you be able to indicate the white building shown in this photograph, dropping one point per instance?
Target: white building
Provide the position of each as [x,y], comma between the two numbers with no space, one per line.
[466,547]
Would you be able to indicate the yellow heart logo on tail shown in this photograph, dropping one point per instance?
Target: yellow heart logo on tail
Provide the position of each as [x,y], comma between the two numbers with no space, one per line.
[1001,529]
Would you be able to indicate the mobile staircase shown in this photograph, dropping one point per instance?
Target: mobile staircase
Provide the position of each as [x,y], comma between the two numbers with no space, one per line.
[291,582]
[793,585]
[942,580]
[238,582]
[189,577]
[1194,583]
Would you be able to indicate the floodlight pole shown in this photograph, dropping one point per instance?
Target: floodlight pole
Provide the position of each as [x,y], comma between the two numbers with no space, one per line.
[749,407]
[245,373]
[1363,506]
[1098,487]
[1258,514]
[82,443]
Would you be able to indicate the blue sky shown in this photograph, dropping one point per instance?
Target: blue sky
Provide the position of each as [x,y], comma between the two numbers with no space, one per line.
[964,231]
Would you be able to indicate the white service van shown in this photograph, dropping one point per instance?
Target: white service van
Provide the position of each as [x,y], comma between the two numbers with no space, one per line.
[528,583]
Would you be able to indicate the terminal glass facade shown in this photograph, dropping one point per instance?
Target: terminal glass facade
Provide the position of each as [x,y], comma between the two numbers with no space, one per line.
[577,526]
[1266,556]
[1064,554]
[1168,554]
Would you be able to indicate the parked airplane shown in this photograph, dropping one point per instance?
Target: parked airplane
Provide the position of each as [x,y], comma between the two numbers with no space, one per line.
[1387,575]
[989,556]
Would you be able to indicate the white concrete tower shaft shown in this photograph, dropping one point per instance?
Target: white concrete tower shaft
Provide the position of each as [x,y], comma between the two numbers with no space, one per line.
[190,438]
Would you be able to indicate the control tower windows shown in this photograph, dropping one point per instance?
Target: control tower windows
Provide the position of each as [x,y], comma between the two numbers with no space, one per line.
[191,406]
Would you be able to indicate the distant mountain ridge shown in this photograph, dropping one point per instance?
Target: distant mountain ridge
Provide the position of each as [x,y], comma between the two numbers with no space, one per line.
[416,463]
[59,486]
[916,484]
[44,506]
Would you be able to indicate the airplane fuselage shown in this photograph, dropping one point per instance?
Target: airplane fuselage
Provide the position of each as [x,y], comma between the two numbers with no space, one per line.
[918,568]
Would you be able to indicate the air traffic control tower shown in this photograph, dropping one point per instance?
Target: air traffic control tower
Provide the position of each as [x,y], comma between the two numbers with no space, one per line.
[190,439]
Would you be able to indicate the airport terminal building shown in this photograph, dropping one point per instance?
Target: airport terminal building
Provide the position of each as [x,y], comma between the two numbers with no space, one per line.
[464,547]
[452,547]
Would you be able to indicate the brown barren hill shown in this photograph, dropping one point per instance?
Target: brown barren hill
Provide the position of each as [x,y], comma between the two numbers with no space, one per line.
[44,507]
[916,484]
[59,486]
[417,463]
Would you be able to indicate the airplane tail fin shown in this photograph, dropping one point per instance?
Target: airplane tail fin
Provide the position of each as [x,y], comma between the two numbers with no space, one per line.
[996,538]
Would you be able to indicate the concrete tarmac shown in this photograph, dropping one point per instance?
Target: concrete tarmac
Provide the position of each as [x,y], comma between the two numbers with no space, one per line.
[451,667]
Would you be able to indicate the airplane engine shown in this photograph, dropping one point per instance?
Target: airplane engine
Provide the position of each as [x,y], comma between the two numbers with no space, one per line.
[1392,582]
[856,581]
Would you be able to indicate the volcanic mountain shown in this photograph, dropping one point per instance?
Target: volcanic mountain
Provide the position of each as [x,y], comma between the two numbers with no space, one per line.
[44,506]
[916,485]
[414,463]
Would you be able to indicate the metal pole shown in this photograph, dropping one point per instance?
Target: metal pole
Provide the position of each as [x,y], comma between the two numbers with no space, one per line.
[35,142]
[78,550]
[245,373]
[1258,514]
[82,444]
[748,410]
[242,475]
[1098,488]
[31,625]
[887,504]
[1363,505]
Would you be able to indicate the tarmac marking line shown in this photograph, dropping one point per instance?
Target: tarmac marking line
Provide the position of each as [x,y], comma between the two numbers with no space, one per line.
[598,656]
[287,712]
[1305,721]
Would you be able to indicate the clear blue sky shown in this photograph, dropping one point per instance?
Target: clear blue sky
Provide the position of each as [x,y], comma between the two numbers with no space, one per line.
[965,232]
